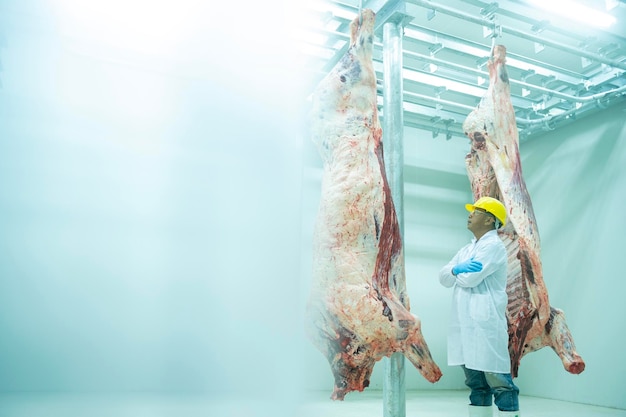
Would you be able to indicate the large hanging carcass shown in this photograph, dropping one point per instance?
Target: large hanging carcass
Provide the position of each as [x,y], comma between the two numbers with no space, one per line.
[494,169]
[356,314]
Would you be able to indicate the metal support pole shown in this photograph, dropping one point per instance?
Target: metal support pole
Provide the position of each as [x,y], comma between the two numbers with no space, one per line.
[394,402]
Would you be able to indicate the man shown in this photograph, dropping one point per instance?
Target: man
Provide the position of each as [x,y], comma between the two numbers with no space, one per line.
[478,337]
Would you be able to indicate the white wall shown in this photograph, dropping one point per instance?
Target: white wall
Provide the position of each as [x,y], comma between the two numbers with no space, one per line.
[577,180]
[149,200]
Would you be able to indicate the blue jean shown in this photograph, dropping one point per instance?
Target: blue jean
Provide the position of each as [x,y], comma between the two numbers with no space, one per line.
[484,385]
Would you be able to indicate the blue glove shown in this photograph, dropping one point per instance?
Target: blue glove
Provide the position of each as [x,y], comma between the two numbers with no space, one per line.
[467,266]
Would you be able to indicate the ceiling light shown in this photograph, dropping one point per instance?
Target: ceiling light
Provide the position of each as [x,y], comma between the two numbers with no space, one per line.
[450,85]
[575,11]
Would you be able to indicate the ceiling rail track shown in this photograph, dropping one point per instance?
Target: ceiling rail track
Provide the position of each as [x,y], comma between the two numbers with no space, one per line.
[545,92]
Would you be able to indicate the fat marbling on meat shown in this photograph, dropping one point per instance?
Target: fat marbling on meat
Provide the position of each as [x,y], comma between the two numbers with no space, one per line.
[494,169]
[356,314]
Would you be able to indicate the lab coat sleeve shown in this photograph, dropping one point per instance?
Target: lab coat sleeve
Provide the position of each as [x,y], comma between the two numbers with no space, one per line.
[471,279]
[445,275]
[492,257]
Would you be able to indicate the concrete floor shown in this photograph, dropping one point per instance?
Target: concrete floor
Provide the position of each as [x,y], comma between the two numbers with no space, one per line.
[312,404]
[442,404]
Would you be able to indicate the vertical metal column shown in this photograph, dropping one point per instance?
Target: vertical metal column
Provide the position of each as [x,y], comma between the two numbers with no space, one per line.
[394,401]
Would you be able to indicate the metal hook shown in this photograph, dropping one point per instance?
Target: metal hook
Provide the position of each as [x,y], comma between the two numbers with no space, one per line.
[496,33]
[360,12]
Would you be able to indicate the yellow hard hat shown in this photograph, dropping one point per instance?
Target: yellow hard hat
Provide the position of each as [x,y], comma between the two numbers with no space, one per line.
[490,205]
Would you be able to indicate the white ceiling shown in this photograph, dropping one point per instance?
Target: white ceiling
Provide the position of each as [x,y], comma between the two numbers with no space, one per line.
[560,70]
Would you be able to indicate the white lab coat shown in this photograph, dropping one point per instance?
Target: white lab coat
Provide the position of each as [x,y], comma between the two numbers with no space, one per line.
[478,336]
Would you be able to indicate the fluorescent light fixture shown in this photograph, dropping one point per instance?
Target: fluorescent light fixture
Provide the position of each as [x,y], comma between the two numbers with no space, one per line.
[450,85]
[574,11]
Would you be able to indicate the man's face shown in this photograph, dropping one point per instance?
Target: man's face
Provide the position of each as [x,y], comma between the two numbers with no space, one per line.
[479,219]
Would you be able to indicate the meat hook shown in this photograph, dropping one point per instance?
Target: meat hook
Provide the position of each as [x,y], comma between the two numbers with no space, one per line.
[360,13]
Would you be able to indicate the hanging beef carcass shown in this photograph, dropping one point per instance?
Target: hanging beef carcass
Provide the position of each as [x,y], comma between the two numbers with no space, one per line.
[494,169]
[356,315]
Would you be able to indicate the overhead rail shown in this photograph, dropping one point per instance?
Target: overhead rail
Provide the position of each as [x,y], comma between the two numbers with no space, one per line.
[543,94]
